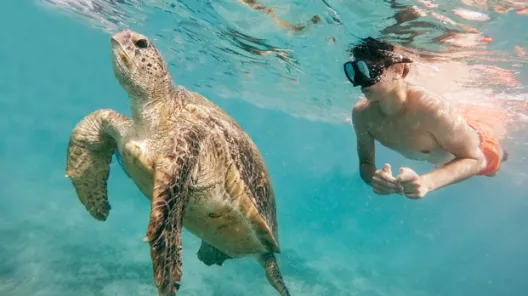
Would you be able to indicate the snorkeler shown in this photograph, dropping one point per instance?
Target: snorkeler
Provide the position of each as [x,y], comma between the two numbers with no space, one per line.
[415,122]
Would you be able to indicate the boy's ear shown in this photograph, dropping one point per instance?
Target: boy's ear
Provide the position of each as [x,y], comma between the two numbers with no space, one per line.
[401,69]
[406,69]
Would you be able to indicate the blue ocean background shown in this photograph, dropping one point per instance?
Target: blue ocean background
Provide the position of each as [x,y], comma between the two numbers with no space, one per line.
[337,237]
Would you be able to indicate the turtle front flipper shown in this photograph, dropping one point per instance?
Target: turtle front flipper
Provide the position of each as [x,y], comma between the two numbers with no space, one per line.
[210,255]
[273,274]
[170,192]
[90,149]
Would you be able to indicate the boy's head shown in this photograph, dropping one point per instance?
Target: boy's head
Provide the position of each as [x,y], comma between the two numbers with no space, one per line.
[375,66]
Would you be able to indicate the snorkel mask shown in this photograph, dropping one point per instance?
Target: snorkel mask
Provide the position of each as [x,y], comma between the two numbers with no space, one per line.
[367,73]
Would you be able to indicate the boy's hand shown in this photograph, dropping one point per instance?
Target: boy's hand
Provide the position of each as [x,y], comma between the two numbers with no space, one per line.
[412,184]
[384,183]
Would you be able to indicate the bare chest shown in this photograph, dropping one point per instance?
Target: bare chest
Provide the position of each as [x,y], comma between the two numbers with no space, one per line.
[408,137]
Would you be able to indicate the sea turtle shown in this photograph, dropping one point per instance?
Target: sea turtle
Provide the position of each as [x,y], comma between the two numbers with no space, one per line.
[197,166]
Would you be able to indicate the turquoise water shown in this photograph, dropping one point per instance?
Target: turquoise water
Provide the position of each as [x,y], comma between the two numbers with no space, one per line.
[337,237]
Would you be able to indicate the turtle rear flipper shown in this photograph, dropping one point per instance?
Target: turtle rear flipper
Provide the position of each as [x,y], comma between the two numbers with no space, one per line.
[90,149]
[210,255]
[273,274]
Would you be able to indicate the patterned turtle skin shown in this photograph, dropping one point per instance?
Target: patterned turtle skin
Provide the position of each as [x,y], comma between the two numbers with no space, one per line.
[196,165]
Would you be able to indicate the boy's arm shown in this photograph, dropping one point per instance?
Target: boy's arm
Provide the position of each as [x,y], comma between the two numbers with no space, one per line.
[365,145]
[453,134]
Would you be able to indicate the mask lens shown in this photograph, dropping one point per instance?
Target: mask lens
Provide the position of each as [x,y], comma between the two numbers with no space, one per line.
[349,71]
[363,68]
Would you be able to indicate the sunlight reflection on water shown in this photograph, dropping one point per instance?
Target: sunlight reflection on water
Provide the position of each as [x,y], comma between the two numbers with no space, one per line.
[240,48]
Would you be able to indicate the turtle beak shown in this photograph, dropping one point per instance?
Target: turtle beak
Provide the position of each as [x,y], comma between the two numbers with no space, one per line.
[121,38]
[125,59]
[119,41]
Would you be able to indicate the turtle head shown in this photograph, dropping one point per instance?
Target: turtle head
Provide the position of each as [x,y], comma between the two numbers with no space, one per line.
[139,66]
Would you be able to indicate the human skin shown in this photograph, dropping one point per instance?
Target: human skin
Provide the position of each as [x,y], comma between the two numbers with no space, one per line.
[419,125]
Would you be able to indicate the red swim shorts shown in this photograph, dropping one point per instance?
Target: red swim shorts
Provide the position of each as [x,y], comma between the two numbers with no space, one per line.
[489,144]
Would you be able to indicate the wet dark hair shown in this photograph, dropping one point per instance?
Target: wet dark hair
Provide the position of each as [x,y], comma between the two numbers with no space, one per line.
[371,49]
[378,51]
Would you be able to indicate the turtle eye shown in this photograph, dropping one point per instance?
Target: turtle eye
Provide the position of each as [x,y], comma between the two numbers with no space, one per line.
[141,43]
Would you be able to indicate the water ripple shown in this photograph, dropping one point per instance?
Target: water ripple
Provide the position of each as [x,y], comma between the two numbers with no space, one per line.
[239,48]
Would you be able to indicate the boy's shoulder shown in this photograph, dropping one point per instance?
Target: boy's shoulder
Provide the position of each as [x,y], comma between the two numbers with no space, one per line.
[362,113]
[361,106]
[427,102]
[432,110]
